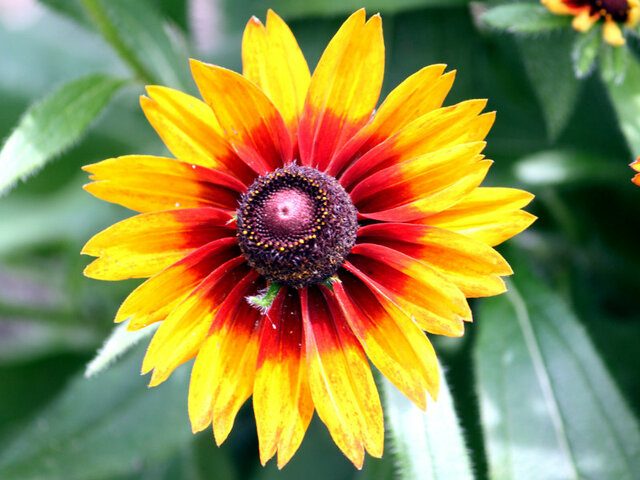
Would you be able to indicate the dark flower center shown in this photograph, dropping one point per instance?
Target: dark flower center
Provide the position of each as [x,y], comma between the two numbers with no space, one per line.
[296,225]
[617,9]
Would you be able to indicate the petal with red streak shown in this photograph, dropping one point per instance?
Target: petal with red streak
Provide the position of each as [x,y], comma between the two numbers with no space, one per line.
[422,186]
[392,341]
[189,129]
[489,215]
[436,130]
[281,397]
[419,94]
[472,266]
[224,371]
[149,184]
[272,59]
[250,121]
[142,246]
[157,297]
[342,385]
[344,90]
[437,304]
[181,335]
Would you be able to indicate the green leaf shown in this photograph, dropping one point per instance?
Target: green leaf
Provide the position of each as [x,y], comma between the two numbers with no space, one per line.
[585,51]
[141,37]
[119,342]
[523,18]
[24,339]
[559,167]
[69,8]
[111,424]
[53,124]
[427,446]
[625,97]
[31,222]
[547,61]
[549,407]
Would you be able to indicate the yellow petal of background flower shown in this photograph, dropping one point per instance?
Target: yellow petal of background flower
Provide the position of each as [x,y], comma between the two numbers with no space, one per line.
[612,33]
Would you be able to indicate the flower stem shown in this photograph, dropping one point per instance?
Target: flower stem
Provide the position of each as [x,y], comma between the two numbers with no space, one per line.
[98,15]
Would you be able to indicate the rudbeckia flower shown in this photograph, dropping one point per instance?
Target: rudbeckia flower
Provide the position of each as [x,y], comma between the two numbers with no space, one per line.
[587,12]
[298,234]
[636,166]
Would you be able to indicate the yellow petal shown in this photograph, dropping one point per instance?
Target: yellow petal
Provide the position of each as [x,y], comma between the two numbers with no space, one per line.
[612,33]
[250,121]
[391,340]
[559,7]
[489,215]
[583,21]
[143,245]
[436,303]
[344,89]
[191,131]
[418,95]
[281,397]
[146,184]
[181,335]
[272,59]
[474,267]
[223,373]
[155,298]
[342,385]
[436,130]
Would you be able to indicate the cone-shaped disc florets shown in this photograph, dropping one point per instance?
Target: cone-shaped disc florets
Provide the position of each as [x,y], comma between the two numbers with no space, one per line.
[296,225]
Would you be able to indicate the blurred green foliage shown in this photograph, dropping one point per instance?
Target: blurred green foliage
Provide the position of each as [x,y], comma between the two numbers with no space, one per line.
[550,367]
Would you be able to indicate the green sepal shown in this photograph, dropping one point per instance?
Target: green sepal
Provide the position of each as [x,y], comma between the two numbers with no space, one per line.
[525,18]
[328,282]
[265,298]
[585,51]
[613,63]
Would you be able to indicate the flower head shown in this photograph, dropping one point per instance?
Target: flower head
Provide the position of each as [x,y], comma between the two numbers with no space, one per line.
[298,233]
[587,12]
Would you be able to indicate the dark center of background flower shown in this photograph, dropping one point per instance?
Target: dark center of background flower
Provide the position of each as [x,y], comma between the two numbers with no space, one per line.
[296,225]
[617,9]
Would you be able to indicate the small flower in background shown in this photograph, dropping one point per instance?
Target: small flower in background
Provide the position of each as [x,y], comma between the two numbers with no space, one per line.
[602,27]
[636,166]
[297,234]
[615,13]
